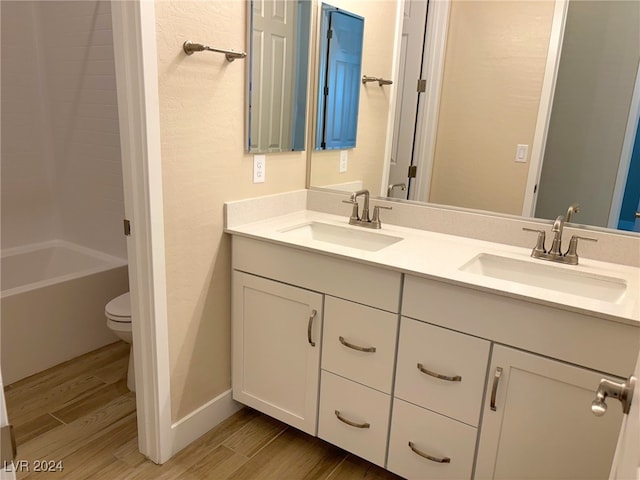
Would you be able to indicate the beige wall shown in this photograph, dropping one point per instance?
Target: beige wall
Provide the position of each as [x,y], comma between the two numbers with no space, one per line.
[367,158]
[494,67]
[202,101]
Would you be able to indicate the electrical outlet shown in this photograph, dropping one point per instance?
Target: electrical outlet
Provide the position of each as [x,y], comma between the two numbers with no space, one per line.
[259,165]
[344,154]
[521,153]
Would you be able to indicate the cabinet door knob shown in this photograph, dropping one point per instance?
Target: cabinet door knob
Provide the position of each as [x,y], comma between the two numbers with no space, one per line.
[427,456]
[622,391]
[350,422]
[310,326]
[494,389]
[356,347]
[456,378]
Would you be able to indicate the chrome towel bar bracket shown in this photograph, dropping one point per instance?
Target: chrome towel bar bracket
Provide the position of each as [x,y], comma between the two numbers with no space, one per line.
[381,81]
[189,48]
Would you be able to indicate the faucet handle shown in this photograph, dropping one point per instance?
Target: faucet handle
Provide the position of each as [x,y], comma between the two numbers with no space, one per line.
[539,248]
[376,215]
[355,216]
[572,253]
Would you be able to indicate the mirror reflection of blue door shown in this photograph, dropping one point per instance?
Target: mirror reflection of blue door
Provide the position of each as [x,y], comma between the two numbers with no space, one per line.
[339,93]
[630,211]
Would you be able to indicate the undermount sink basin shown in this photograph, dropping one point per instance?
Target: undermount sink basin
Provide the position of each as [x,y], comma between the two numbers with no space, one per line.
[574,282]
[343,236]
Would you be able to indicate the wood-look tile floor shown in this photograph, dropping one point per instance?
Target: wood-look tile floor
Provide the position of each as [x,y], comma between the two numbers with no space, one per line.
[81,414]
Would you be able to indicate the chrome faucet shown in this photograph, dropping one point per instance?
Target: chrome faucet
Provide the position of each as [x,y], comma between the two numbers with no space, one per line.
[557,228]
[401,186]
[364,220]
[570,257]
[575,208]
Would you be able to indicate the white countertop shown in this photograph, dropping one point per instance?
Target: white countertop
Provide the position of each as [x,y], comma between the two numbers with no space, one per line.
[439,256]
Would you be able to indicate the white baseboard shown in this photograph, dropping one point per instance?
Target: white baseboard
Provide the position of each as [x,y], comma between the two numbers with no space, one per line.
[200,421]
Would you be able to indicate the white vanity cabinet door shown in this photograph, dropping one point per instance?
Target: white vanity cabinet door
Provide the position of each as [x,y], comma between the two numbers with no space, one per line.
[350,328]
[354,417]
[425,351]
[542,425]
[276,346]
[417,434]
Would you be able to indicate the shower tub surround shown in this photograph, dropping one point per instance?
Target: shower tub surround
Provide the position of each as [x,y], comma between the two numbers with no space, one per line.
[52,304]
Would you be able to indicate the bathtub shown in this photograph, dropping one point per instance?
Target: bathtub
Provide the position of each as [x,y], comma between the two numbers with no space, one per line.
[52,304]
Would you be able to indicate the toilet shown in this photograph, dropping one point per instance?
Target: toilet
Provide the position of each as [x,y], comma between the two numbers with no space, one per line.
[118,313]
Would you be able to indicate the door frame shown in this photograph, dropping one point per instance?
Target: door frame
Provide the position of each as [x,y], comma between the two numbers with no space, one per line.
[135,54]
[429,110]
[625,155]
[543,121]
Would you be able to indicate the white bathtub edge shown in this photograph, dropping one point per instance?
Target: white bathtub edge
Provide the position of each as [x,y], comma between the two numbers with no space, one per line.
[7,252]
[109,262]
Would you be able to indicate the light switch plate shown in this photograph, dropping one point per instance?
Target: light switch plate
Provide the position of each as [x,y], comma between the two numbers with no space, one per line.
[259,166]
[521,153]
[344,155]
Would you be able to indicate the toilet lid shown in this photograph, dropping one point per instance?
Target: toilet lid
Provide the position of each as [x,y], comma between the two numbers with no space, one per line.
[119,308]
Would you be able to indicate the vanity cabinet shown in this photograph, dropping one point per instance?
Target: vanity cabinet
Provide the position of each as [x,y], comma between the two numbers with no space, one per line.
[276,349]
[537,420]
[429,379]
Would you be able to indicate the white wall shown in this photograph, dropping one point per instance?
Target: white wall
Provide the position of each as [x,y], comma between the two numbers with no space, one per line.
[28,183]
[61,166]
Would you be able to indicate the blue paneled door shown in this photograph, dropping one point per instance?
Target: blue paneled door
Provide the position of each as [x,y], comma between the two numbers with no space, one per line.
[631,199]
[342,89]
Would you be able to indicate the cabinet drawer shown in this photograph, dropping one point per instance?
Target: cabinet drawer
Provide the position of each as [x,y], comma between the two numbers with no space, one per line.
[461,358]
[368,409]
[349,329]
[417,433]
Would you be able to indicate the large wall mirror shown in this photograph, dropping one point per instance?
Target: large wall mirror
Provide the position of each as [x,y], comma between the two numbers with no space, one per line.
[495,63]
[279,37]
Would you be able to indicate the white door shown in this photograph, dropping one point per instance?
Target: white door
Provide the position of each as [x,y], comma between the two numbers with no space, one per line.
[626,461]
[272,75]
[413,29]
[6,470]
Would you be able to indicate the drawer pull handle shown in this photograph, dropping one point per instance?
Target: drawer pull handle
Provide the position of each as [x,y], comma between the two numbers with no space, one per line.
[349,422]
[494,389]
[456,378]
[309,326]
[427,456]
[356,347]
